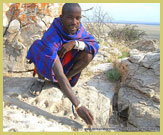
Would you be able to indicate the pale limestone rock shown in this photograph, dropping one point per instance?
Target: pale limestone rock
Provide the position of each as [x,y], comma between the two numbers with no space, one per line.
[5,20]
[42,25]
[150,59]
[48,20]
[14,26]
[136,58]
[101,67]
[146,45]
[144,113]
[134,52]
[142,91]
[115,51]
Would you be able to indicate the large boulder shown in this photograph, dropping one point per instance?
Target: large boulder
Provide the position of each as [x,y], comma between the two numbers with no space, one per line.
[142,91]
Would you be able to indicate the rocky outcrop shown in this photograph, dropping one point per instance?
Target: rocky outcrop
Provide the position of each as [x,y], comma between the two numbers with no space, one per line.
[141,92]
[146,45]
[23,24]
[52,104]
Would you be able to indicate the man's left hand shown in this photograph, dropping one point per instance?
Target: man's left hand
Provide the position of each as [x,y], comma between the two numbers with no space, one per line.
[66,47]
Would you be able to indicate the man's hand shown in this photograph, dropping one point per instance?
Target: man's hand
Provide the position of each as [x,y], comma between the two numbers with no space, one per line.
[85,114]
[66,47]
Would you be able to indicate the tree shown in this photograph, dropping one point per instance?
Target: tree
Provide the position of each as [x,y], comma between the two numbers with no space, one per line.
[97,23]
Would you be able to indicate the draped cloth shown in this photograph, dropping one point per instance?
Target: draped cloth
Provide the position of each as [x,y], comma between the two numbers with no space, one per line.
[43,52]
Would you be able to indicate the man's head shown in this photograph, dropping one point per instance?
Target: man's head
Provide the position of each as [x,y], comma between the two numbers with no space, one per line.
[71,15]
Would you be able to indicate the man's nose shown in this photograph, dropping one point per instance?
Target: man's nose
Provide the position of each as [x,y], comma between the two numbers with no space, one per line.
[74,21]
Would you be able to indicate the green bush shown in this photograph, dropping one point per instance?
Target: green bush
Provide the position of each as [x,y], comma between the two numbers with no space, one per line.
[109,60]
[127,33]
[113,75]
[124,55]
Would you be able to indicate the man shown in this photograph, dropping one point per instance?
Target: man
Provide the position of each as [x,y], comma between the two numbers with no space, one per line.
[63,52]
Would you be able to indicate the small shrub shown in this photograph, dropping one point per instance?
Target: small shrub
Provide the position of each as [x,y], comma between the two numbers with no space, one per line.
[113,74]
[127,33]
[124,55]
[109,60]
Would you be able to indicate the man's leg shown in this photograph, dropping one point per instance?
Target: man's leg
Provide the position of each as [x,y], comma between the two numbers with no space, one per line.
[37,86]
[81,62]
[63,82]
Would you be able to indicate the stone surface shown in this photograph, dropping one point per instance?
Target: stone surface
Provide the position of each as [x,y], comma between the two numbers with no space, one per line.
[14,26]
[51,104]
[5,20]
[144,113]
[115,51]
[134,52]
[101,67]
[146,45]
[21,27]
[142,91]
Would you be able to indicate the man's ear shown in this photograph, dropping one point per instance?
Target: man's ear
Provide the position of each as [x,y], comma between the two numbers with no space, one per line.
[61,16]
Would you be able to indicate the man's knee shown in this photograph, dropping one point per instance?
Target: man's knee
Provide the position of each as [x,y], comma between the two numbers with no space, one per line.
[87,57]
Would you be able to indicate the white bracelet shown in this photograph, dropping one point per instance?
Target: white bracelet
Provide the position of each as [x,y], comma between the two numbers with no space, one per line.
[76,44]
[80,45]
[77,107]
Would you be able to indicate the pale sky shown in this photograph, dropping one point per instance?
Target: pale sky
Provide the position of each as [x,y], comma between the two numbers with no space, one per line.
[139,12]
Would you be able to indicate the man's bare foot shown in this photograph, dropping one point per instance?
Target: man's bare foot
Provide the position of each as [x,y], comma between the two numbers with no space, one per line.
[36,88]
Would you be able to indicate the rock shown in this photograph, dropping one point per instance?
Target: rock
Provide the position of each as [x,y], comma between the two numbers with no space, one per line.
[150,59]
[18,46]
[105,47]
[134,52]
[146,45]
[48,20]
[100,91]
[51,101]
[42,25]
[142,77]
[136,58]
[101,67]
[16,58]
[105,54]
[14,26]
[144,113]
[11,38]
[52,10]
[142,91]
[5,20]
[156,68]
[115,51]
[99,58]
[110,41]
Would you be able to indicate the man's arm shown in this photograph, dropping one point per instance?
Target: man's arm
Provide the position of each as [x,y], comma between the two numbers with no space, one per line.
[79,45]
[83,112]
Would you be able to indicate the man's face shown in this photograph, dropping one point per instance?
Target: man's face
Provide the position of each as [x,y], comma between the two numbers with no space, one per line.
[71,20]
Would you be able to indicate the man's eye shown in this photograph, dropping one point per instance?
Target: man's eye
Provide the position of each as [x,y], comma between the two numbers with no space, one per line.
[78,18]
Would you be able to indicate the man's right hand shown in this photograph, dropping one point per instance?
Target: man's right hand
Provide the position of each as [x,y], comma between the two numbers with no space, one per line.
[85,114]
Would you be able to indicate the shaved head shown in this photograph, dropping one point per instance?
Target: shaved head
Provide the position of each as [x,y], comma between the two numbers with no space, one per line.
[70,18]
[69,7]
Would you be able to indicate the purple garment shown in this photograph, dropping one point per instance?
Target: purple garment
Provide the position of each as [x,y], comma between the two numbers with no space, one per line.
[43,52]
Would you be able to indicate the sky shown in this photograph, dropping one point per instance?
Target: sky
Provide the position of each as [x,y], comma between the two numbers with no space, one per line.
[134,12]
